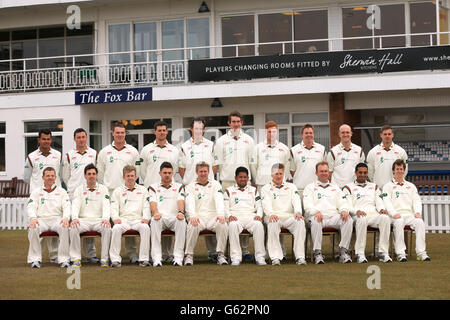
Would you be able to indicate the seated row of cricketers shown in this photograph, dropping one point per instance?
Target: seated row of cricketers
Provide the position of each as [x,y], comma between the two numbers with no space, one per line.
[207,208]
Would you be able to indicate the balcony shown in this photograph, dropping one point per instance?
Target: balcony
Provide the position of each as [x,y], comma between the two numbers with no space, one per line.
[148,68]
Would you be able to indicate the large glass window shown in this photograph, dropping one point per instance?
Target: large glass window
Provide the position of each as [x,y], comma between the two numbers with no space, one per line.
[2,146]
[173,38]
[311,25]
[145,38]
[423,20]
[287,27]
[119,41]
[46,42]
[51,48]
[238,30]
[32,132]
[275,27]
[354,23]
[198,36]
[392,22]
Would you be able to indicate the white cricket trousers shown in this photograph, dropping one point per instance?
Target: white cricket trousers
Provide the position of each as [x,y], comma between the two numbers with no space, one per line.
[116,239]
[173,224]
[253,226]
[380,221]
[417,224]
[345,228]
[35,252]
[212,224]
[295,227]
[89,225]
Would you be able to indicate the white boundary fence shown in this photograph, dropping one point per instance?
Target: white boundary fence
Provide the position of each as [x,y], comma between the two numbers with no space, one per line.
[436,213]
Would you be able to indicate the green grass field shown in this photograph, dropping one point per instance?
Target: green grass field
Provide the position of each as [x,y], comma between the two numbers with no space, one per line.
[205,280]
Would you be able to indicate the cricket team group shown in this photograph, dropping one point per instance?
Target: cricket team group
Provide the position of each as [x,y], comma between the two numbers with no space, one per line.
[261,189]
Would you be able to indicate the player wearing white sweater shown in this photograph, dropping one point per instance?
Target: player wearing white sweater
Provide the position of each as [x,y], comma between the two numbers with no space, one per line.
[195,150]
[90,212]
[325,207]
[167,207]
[268,153]
[381,158]
[110,163]
[367,209]
[74,163]
[114,157]
[244,211]
[130,209]
[304,157]
[232,150]
[155,153]
[76,160]
[343,158]
[402,201]
[36,162]
[205,210]
[283,209]
[48,210]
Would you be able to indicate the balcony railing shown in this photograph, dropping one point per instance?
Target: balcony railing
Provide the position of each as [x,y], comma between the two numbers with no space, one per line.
[153,68]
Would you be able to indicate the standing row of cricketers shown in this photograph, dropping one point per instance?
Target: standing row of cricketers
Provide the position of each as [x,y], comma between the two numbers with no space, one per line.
[317,181]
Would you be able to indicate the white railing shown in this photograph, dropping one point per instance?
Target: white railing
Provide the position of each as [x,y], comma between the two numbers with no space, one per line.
[13,213]
[436,213]
[152,67]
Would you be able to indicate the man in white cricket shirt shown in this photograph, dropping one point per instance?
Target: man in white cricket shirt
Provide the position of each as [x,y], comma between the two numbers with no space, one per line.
[232,150]
[110,163]
[151,158]
[381,158]
[195,150]
[367,209]
[304,157]
[48,210]
[343,158]
[402,201]
[244,211]
[90,212]
[45,156]
[74,163]
[325,207]
[283,209]
[130,209]
[205,210]
[167,207]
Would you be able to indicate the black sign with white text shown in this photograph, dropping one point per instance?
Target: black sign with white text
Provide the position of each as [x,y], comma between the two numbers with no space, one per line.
[320,64]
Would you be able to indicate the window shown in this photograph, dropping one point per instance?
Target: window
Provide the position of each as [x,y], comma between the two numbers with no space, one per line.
[46,42]
[2,146]
[392,22]
[172,36]
[274,27]
[310,25]
[119,41]
[32,132]
[95,134]
[355,25]
[238,30]
[423,20]
[285,27]
[198,36]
